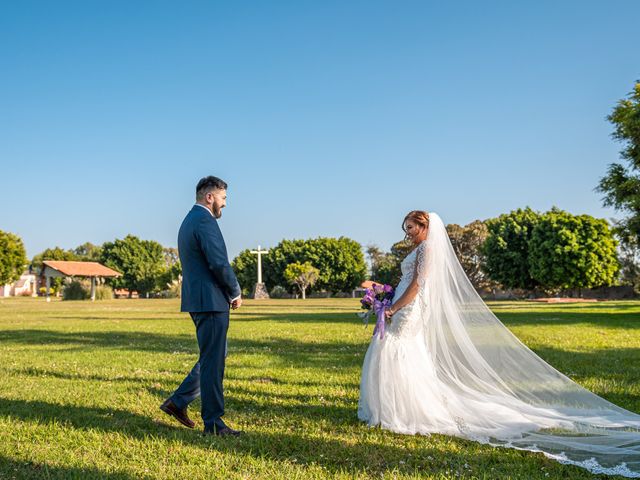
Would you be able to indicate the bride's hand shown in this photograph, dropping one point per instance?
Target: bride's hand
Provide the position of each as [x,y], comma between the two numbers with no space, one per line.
[389,312]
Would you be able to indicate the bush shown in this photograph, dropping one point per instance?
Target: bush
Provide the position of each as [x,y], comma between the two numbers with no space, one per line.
[76,290]
[278,292]
[167,294]
[342,295]
[103,292]
[320,294]
[173,290]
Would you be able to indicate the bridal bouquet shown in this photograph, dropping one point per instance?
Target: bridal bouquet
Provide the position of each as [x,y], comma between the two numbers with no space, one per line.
[376,300]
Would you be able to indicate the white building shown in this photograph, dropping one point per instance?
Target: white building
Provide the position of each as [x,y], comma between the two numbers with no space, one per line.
[25,286]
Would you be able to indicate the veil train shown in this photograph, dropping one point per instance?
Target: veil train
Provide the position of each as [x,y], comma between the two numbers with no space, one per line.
[478,361]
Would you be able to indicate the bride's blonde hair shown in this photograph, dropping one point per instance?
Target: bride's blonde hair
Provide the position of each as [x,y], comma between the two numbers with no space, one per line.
[419,217]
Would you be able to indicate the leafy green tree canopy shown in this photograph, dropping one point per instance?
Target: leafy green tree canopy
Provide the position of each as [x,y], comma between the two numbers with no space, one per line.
[245,265]
[13,257]
[340,262]
[141,262]
[385,266]
[621,184]
[572,251]
[55,253]
[88,252]
[467,242]
[303,275]
[506,249]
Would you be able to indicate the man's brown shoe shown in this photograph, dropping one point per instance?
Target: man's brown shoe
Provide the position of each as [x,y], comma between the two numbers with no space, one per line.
[170,408]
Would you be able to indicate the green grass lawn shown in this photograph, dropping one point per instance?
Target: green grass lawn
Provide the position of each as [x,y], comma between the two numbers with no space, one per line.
[81,384]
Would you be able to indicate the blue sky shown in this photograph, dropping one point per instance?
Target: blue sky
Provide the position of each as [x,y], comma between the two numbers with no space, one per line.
[326,118]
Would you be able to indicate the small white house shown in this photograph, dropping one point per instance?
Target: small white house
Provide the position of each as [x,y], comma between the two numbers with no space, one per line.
[26,285]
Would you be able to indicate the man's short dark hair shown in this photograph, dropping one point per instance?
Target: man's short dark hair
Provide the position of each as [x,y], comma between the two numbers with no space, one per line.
[206,184]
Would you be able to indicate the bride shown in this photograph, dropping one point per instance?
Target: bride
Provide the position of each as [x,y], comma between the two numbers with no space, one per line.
[447,365]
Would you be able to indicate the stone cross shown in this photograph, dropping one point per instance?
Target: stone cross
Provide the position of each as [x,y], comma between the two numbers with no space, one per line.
[259,252]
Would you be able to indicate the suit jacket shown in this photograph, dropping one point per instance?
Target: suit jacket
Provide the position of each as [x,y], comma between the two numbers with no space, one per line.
[208,281]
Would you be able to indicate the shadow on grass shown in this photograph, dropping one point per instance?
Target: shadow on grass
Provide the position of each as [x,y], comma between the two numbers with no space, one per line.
[338,354]
[143,341]
[617,368]
[24,469]
[626,319]
[327,409]
[621,365]
[44,373]
[330,452]
[124,316]
[229,376]
[326,316]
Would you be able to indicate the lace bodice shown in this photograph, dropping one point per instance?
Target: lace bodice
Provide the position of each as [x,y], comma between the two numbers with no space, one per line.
[412,262]
[407,321]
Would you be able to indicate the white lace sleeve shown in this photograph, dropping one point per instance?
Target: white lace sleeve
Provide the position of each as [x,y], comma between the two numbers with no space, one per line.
[421,264]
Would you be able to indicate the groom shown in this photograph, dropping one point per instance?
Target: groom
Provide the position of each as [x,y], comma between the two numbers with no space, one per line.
[209,288]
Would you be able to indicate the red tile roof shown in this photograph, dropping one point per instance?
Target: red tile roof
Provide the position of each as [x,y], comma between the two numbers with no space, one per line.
[81,269]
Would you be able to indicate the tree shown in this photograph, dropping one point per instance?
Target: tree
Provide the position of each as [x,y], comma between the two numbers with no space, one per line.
[629,257]
[13,257]
[339,260]
[302,275]
[245,266]
[572,251]
[506,249]
[55,253]
[385,266]
[401,249]
[621,184]
[141,263]
[171,256]
[374,254]
[386,269]
[87,252]
[171,277]
[467,242]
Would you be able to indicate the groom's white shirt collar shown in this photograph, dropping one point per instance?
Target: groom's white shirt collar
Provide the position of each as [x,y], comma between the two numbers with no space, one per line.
[210,212]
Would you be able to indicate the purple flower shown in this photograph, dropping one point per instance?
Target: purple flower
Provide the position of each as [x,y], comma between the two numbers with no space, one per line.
[377,297]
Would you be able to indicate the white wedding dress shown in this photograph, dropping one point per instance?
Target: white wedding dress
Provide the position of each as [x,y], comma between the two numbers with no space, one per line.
[447,365]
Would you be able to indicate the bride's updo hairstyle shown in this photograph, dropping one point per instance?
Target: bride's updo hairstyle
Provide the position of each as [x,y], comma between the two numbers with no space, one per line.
[419,217]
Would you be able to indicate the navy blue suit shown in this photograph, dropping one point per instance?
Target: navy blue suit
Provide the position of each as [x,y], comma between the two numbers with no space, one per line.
[208,286]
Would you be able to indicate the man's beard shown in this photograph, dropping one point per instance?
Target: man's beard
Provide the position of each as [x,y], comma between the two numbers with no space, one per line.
[217,212]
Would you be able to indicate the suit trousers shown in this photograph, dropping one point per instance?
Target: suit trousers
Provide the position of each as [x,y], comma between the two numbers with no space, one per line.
[205,378]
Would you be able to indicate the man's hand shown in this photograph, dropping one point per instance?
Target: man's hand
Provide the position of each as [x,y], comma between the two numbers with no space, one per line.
[236,303]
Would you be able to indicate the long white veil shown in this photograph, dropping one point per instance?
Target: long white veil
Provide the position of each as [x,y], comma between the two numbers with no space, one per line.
[480,363]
